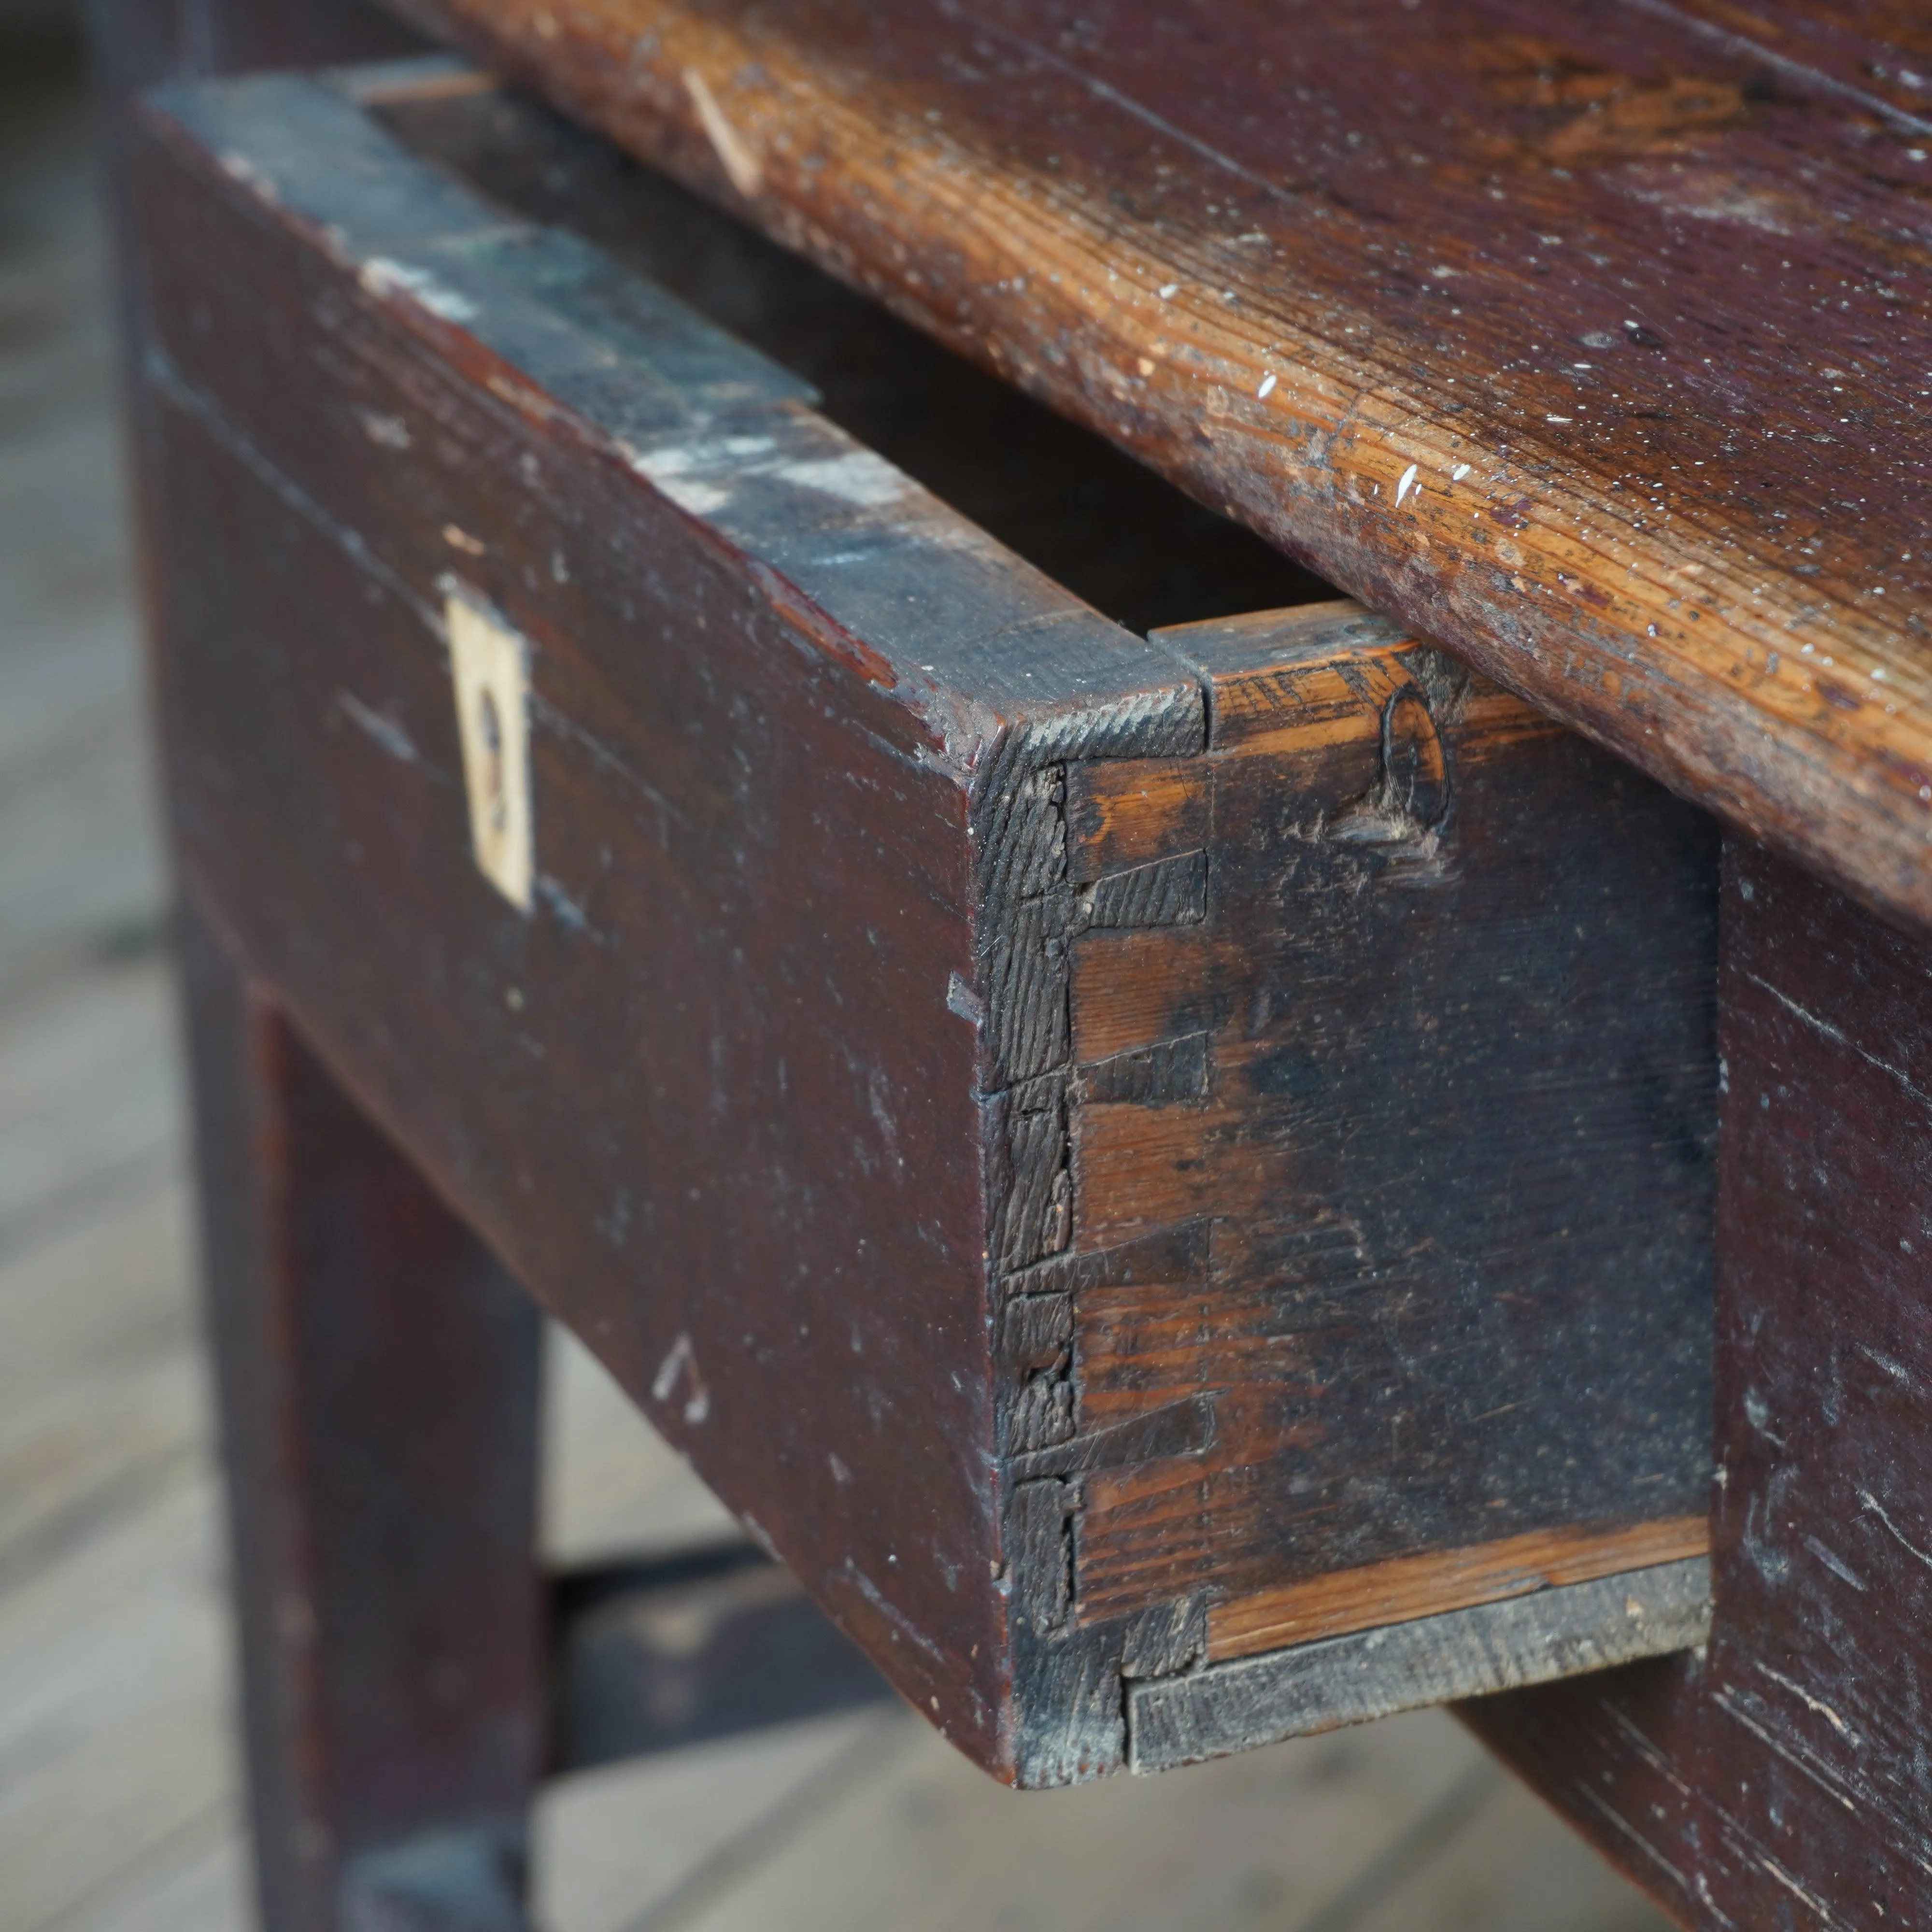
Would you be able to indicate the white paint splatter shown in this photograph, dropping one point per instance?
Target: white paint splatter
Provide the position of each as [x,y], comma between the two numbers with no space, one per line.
[682,1360]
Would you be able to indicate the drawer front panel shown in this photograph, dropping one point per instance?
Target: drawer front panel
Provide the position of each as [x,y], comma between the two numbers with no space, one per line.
[715,1094]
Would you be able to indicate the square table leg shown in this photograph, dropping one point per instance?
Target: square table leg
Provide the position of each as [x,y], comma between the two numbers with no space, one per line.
[1780,1778]
[377,1376]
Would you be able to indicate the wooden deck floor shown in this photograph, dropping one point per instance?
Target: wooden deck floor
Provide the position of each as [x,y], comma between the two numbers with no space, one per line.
[119,1810]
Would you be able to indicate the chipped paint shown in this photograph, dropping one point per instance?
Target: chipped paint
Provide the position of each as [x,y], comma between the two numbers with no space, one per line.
[866,481]
[670,470]
[961,999]
[382,276]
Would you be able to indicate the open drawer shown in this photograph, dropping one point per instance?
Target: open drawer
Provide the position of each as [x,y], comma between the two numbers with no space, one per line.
[1168,1176]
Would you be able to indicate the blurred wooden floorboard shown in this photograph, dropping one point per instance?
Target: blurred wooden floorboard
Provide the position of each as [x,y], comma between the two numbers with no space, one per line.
[118,1806]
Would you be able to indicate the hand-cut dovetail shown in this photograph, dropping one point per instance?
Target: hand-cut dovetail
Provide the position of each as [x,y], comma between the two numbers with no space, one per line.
[489,664]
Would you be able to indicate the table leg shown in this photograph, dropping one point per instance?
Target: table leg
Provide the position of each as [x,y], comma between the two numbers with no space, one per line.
[377,1374]
[1783,1779]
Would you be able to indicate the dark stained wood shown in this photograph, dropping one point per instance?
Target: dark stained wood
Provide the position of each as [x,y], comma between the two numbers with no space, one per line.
[899,930]
[1780,1780]
[1588,342]
[377,1373]
[1405,1095]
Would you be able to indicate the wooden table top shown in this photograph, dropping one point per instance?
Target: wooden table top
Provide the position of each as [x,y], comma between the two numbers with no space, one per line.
[1589,339]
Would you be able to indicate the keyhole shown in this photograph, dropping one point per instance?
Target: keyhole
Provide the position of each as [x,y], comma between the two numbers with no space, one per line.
[488,666]
[491,728]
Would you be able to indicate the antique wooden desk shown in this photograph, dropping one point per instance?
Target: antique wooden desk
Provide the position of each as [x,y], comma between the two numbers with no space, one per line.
[1167,1142]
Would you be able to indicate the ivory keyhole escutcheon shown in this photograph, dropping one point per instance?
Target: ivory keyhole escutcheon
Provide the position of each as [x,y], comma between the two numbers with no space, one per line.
[491,665]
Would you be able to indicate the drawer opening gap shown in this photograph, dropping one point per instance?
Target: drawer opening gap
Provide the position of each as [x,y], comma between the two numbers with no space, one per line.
[1102,524]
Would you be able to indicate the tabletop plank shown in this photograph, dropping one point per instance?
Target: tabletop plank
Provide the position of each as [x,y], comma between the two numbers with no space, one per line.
[1590,343]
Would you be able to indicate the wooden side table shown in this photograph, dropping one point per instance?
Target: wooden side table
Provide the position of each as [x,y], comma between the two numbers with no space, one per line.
[1164,1165]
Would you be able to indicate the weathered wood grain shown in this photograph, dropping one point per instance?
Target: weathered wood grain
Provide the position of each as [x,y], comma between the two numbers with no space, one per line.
[1420,1101]
[1310,1688]
[1780,1779]
[1587,345]
[1405,1587]
[1246,1358]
